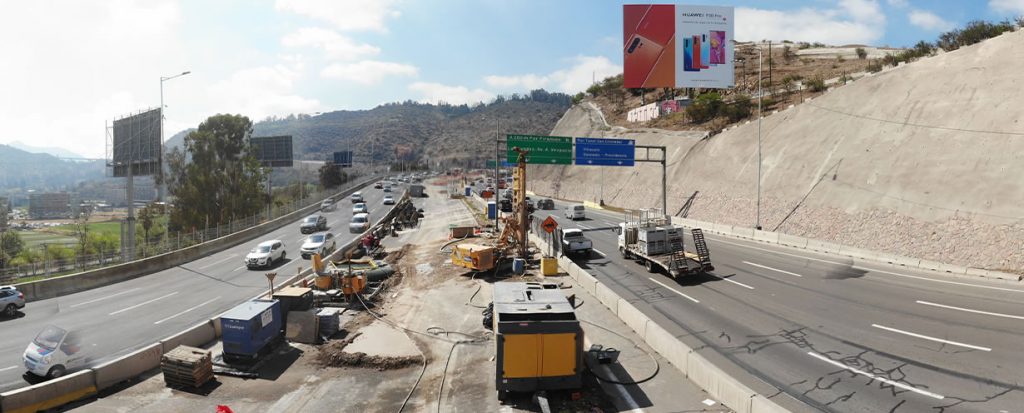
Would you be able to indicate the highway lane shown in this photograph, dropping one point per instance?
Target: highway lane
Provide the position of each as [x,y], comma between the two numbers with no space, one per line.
[119,318]
[838,334]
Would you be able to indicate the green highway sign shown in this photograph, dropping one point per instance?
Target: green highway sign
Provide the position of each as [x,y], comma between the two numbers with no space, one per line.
[543,150]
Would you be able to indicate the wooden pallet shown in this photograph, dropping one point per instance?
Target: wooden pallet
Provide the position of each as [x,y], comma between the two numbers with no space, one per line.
[186,366]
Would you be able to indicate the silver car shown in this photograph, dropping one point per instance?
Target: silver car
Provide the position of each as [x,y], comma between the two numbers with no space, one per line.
[11,300]
[320,243]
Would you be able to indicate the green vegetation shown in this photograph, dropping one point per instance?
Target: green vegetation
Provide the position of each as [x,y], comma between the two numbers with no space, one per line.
[331,176]
[874,66]
[974,32]
[223,180]
[708,106]
[816,84]
[861,53]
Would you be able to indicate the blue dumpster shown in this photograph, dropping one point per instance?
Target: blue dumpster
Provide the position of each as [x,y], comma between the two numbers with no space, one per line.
[518,266]
[492,210]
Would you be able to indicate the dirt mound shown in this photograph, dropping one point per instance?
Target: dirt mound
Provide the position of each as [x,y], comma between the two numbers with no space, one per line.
[333,355]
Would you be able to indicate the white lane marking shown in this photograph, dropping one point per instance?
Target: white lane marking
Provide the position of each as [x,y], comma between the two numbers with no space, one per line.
[939,340]
[8,368]
[857,267]
[781,253]
[236,269]
[190,309]
[874,377]
[104,298]
[218,262]
[599,252]
[772,269]
[142,304]
[970,310]
[734,282]
[673,290]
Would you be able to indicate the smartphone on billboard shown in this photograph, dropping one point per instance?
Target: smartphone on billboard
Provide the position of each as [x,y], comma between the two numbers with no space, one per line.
[688,55]
[717,47]
[697,63]
[641,55]
[705,51]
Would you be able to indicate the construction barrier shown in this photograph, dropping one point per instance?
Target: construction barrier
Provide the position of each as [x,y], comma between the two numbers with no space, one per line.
[196,336]
[49,394]
[128,367]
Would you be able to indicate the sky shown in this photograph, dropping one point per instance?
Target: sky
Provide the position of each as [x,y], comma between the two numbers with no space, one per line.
[70,67]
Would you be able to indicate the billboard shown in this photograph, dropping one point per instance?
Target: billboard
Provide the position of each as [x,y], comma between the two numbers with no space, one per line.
[273,151]
[343,159]
[677,46]
[136,142]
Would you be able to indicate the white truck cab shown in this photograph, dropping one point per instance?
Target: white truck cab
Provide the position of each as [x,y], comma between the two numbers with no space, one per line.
[54,352]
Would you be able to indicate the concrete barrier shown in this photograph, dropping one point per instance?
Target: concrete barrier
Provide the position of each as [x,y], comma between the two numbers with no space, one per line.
[792,241]
[128,367]
[632,317]
[766,236]
[50,394]
[669,346]
[73,283]
[587,281]
[607,297]
[196,336]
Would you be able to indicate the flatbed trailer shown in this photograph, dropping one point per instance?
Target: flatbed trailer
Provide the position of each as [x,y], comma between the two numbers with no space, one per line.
[648,238]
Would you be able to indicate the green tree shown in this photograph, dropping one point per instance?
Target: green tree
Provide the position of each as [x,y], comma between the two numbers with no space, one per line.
[221,180]
[331,176]
[10,246]
[861,53]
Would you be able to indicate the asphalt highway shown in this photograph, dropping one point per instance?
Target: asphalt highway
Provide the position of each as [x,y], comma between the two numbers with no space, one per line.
[837,334]
[119,318]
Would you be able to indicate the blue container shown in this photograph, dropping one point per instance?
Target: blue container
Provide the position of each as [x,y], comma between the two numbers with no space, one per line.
[248,329]
[492,210]
[469,191]
[518,266]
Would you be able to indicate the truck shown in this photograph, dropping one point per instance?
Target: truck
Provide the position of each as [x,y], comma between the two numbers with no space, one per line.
[416,191]
[574,242]
[251,329]
[647,237]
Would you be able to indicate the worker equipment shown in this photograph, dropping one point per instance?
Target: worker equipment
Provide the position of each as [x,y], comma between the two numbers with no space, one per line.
[474,257]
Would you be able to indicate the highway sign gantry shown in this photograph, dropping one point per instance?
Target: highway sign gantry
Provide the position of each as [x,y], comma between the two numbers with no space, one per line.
[543,150]
[605,152]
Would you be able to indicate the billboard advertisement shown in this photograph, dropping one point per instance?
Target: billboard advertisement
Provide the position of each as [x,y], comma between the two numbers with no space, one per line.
[677,46]
[273,151]
[343,159]
[136,142]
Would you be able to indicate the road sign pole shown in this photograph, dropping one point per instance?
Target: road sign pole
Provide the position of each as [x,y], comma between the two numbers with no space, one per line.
[496,184]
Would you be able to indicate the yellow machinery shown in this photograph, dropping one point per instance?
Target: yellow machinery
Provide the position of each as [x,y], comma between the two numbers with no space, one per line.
[539,341]
[474,257]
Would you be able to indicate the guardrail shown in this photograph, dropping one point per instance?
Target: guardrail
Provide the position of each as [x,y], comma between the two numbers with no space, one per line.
[58,286]
[689,360]
[89,382]
[779,238]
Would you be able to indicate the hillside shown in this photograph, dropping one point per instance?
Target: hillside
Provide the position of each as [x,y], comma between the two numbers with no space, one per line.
[451,135]
[918,160]
[43,172]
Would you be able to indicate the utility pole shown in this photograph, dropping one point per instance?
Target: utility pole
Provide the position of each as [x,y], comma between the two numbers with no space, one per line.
[497,161]
[162,187]
[760,114]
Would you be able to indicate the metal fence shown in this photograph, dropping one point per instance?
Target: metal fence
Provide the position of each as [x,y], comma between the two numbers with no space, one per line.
[49,265]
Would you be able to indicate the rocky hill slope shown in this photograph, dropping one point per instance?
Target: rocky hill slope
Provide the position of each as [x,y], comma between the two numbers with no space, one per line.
[919,160]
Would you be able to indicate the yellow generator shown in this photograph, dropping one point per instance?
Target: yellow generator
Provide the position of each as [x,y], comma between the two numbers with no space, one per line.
[473,256]
[539,341]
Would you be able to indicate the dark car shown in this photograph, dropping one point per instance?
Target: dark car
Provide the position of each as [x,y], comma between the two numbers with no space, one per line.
[505,206]
[313,223]
[546,204]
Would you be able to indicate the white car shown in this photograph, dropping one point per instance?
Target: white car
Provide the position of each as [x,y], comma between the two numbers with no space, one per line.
[360,208]
[360,223]
[320,243]
[389,200]
[575,212]
[356,197]
[265,254]
[54,352]
[328,205]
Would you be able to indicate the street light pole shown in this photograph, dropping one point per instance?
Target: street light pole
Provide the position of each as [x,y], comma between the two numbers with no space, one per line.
[497,184]
[760,98]
[162,188]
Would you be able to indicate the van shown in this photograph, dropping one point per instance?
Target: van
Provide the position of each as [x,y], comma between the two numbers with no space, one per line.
[575,212]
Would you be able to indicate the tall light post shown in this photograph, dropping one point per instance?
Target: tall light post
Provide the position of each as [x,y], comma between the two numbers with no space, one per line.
[760,97]
[162,188]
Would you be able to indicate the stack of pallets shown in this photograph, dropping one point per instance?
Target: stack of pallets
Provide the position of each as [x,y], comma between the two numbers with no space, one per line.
[187,367]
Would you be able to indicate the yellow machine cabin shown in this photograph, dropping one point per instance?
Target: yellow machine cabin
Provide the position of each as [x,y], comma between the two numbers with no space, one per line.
[539,341]
[474,257]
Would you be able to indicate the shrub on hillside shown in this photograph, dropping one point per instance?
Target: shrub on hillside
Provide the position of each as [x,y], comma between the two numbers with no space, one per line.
[861,53]
[975,31]
[816,84]
[739,108]
[874,67]
[705,107]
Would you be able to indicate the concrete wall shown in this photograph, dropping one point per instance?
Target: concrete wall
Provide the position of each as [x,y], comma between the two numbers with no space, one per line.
[50,394]
[128,367]
[68,284]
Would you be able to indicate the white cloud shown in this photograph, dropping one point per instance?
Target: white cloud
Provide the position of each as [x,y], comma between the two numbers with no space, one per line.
[570,80]
[259,92]
[929,21]
[1007,6]
[367,72]
[334,45]
[455,95]
[898,3]
[345,15]
[853,22]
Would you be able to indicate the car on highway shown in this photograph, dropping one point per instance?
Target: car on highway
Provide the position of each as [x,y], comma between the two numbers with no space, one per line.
[320,243]
[378,185]
[11,300]
[359,224]
[356,197]
[574,242]
[313,223]
[328,205]
[387,188]
[54,352]
[575,212]
[546,204]
[389,200]
[360,208]
[265,254]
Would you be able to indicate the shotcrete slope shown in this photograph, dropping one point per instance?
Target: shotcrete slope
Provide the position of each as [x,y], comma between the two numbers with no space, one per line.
[922,160]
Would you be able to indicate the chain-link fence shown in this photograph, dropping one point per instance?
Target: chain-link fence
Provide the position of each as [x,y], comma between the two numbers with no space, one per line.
[66,258]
